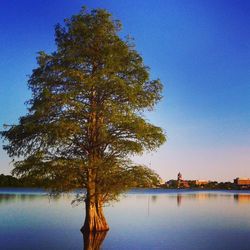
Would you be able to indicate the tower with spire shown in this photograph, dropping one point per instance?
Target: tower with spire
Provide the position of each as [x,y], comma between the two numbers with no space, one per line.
[179,177]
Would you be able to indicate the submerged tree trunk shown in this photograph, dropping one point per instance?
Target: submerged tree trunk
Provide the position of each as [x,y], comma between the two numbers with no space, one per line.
[94,219]
[100,213]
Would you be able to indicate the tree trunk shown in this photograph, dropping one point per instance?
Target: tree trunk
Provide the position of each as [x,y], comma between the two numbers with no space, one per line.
[94,219]
[99,209]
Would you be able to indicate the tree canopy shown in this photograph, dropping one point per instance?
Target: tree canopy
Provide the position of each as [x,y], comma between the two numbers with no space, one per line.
[85,118]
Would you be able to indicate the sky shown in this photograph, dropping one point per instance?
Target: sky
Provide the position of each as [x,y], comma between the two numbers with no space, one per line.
[200,50]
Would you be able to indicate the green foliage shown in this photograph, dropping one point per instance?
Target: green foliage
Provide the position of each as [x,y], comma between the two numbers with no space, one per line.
[11,181]
[8,181]
[144,177]
[86,110]
[172,184]
[226,185]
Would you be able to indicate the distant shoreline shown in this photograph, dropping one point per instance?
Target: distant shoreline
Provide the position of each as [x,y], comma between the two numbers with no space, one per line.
[44,190]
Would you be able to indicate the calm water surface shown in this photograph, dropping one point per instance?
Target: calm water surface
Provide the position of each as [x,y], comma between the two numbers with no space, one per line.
[143,219]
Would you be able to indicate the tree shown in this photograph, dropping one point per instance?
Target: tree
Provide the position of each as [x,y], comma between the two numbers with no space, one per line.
[85,118]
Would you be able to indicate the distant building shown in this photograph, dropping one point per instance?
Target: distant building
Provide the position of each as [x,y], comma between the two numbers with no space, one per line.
[182,183]
[242,181]
[201,182]
[179,177]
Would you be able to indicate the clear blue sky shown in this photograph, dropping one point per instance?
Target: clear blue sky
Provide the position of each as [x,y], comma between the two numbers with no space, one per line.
[199,49]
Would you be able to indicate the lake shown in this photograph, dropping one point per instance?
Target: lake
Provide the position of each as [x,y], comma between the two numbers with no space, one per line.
[142,219]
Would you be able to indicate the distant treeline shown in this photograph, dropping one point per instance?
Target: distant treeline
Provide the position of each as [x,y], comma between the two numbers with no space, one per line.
[214,185]
[11,181]
[150,180]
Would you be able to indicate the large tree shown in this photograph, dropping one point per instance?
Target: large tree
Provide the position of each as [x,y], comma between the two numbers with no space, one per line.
[85,118]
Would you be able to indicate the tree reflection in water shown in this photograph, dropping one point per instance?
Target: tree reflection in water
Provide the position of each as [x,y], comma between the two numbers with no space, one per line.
[93,241]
